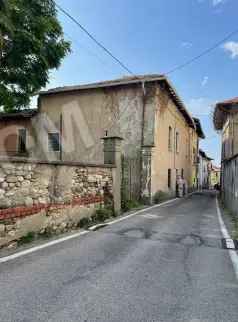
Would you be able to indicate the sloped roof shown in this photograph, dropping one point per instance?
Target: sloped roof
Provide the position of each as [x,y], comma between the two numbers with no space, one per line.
[127,81]
[221,111]
[199,129]
[203,154]
[230,101]
[21,114]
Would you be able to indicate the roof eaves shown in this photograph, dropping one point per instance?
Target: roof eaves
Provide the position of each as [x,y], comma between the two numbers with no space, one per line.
[199,128]
[113,83]
[127,81]
[24,114]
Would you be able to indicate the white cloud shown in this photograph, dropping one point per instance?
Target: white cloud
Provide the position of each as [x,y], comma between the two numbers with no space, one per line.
[217,2]
[232,48]
[214,3]
[204,81]
[186,44]
[200,106]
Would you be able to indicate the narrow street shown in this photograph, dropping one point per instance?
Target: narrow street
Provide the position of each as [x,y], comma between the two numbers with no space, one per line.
[164,264]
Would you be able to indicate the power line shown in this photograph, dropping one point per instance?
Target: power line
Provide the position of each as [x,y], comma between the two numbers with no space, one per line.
[203,53]
[90,52]
[94,39]
[176,68]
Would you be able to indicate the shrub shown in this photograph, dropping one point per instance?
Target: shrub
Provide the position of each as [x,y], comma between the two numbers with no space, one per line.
[160,196]
[102,214]
[84,222]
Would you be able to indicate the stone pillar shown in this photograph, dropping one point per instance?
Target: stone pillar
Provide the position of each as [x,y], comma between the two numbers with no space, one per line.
[112,155]
[146,160]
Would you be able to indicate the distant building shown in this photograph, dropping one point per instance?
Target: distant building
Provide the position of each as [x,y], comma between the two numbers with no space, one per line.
[160,137]
[195,148]
[204,172]
[215,176]
[226,121]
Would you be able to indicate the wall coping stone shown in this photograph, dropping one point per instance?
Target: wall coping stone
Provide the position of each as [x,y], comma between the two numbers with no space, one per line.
[58,162]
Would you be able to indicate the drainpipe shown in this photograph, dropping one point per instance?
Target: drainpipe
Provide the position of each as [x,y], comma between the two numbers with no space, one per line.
[61,136]
[143,112]
[142,135]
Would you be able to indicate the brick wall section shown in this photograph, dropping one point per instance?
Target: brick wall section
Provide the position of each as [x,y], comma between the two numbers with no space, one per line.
[18,212]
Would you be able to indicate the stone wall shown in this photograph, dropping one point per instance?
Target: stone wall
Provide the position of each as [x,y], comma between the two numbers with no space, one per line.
[36,196]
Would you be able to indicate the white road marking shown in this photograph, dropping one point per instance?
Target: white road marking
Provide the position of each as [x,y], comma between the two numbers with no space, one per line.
[226,235]
[229,243]
[34,249]
[142,210]
[61,240]
[152,216]
[92,228]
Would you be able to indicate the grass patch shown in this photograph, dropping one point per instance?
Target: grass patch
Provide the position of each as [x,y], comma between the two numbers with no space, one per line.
[101,215]
[130,204]
[28,238]
[48,233]
[160,196]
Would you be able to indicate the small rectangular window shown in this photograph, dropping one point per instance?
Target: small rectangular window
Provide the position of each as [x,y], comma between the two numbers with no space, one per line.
[170,139]
[22,140]
[177,142]
[169,178]
[182,173]
[53,142]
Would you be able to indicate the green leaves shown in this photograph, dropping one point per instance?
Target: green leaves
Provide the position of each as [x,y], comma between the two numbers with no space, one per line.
[31,44]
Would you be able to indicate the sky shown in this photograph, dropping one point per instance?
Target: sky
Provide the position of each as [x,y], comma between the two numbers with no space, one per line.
[155,36]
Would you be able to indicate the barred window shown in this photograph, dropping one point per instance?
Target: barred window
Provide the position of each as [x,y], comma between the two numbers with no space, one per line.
[53,142]
[169,178]
[177,142]
[170,139]
[22,140]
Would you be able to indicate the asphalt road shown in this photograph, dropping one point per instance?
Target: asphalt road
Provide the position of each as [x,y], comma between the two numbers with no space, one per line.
[166,264]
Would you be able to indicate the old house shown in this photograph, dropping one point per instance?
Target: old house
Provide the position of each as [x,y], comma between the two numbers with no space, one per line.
[160,138]
[226,121]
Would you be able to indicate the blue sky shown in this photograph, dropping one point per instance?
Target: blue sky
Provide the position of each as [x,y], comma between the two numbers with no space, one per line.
[153,37]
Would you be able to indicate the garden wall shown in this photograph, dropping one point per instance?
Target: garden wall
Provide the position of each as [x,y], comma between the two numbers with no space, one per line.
[39,196]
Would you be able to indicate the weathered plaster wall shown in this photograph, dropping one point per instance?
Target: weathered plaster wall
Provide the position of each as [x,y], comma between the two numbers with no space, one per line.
[89,115]
[230,184]
[163,159]
[36,197]
[193,156]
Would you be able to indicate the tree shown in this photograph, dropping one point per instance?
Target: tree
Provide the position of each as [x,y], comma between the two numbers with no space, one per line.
[31,44]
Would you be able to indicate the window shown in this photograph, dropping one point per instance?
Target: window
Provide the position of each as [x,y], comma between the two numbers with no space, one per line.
[53,142]
[170,139]
[177,142]
[169,178]
[182,173]
[22,140]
